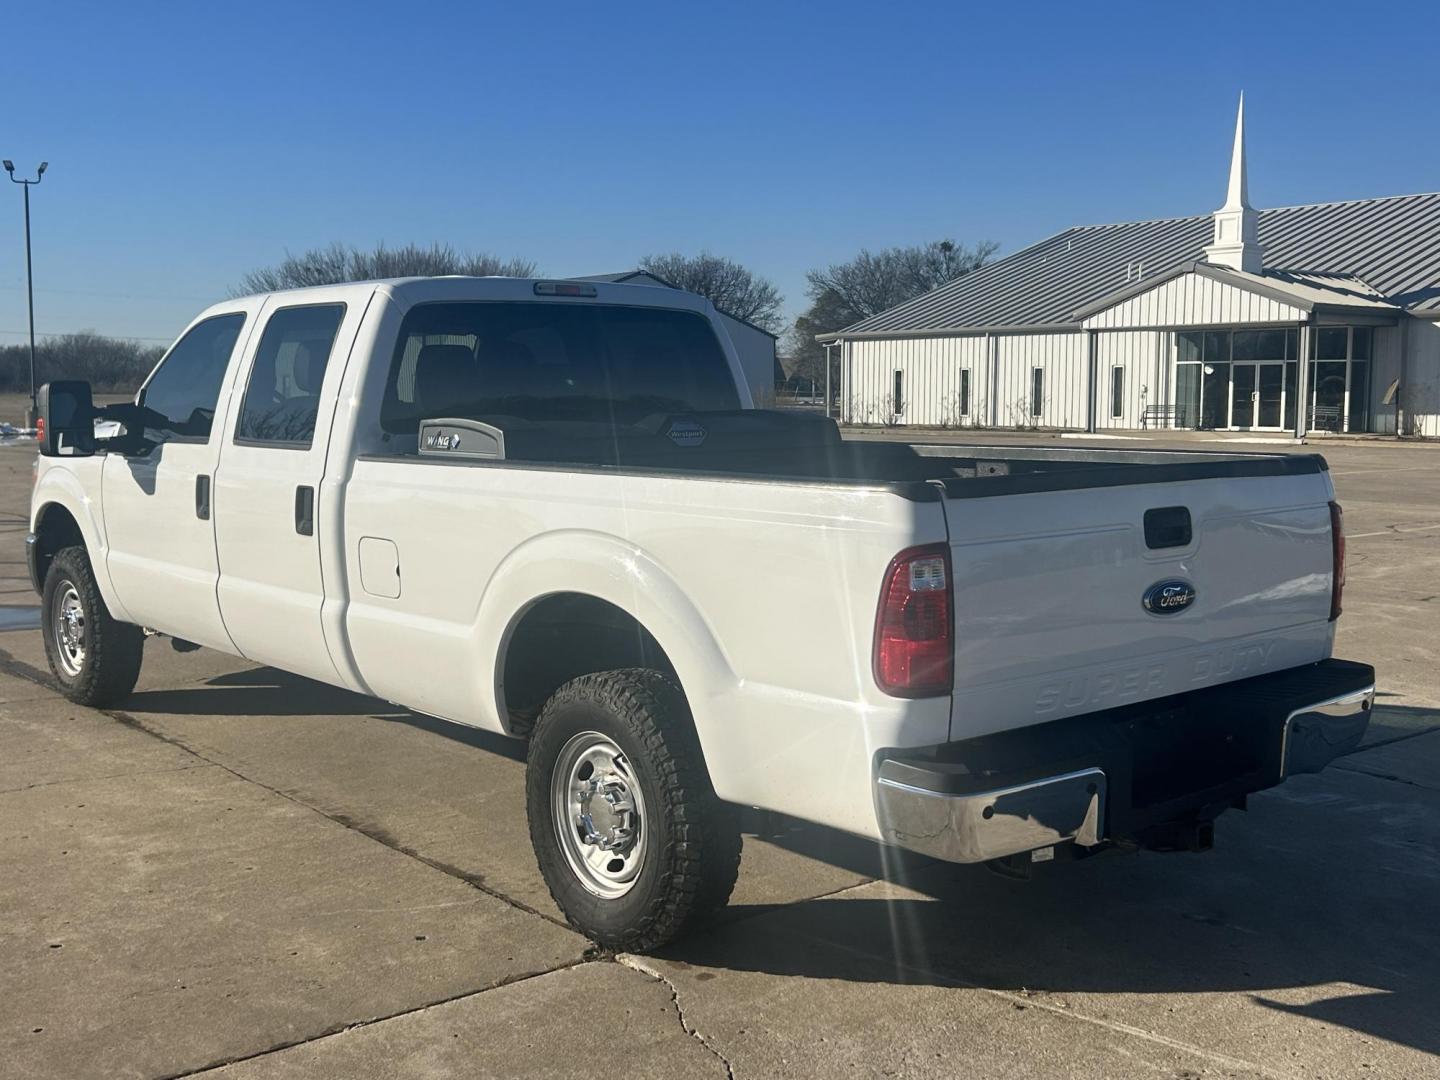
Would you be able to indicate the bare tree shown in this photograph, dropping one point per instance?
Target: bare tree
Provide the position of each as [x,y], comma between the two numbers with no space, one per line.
[873,282]
[344,262]
[870,283]
[827,312]
[731,287]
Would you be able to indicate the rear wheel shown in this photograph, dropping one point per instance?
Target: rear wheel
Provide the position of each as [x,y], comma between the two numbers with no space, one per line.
[94,657]
[633,843]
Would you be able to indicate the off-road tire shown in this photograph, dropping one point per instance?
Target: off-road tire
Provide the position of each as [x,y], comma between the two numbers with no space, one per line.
[692,853]
[112,649]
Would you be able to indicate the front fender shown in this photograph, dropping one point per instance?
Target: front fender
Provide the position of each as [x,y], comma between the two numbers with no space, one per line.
[618,572]
[59,487]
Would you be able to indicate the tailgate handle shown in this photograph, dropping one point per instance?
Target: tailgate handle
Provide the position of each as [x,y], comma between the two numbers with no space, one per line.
[305,510]
[1167,527]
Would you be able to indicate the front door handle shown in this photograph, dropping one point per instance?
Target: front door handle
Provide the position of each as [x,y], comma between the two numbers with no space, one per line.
[202,497]
[305,510]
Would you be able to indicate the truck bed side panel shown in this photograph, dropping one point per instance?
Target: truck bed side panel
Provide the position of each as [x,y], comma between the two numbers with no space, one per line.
[762,595]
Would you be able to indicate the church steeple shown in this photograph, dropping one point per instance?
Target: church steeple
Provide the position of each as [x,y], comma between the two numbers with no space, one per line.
[1236,242]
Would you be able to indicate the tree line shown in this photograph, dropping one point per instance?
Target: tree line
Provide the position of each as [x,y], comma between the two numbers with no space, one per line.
[110,365]
[839,295]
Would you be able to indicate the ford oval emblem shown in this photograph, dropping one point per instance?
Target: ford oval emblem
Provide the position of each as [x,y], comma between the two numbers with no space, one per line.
[1168,597]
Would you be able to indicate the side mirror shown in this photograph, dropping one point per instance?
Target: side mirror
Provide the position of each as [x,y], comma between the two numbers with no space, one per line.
[65,426]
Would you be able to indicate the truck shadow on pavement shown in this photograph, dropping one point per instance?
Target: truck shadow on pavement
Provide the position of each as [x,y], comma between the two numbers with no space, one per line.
[257,692]
[1345,934]
[1323,903]
[266,691]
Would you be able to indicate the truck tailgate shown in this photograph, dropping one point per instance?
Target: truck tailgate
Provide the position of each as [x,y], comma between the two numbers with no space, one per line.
[1050,588]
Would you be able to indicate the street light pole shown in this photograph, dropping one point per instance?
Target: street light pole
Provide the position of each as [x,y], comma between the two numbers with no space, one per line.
[29,276]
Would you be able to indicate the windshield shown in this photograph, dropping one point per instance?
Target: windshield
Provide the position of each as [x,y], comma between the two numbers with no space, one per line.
[553,361]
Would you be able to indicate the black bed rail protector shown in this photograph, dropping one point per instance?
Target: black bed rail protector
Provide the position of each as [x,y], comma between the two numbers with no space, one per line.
[1124,474]
[1068,475]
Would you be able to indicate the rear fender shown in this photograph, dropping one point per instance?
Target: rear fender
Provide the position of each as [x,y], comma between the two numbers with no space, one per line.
[618,572]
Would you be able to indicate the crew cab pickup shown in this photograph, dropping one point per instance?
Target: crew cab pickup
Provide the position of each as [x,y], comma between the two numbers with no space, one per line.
[548,509]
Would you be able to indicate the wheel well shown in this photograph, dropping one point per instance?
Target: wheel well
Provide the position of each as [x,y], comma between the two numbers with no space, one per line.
[564,636]
[55,529]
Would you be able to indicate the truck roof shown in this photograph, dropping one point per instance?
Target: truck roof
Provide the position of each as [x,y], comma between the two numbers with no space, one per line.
[412,290]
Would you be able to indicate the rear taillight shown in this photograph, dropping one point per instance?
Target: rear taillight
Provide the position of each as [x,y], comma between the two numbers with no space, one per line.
[914,635]
[40,430]
[1337,548]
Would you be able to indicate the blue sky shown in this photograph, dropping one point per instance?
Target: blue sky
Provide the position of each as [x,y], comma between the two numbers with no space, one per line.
[189,143]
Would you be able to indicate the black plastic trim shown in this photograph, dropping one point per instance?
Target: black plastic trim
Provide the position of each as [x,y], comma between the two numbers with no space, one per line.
[1126,474]
[305,510]
[1168,527]
[31,553]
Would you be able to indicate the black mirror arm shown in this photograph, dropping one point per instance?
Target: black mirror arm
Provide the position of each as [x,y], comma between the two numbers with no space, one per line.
[135,419]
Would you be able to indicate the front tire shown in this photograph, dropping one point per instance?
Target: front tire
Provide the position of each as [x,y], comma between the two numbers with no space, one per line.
[630,837]
[94,657]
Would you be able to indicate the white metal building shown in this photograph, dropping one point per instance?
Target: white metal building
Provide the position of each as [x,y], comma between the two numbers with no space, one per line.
[1194,322]
[755,346]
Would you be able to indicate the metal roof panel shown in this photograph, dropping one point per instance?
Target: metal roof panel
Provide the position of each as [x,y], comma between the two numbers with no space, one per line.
[1391,245]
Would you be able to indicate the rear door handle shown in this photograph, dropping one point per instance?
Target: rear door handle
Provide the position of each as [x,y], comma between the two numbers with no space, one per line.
[202,497]
[305,510]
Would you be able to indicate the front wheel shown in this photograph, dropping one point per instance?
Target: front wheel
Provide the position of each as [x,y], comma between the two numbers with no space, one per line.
[94,657]
[633,843]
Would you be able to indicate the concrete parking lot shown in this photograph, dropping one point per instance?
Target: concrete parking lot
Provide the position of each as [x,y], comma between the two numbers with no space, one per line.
[245,874]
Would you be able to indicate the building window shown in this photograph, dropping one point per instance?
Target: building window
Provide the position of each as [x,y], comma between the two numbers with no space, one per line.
[1037,391]
[964,391]
[1247,378]
[1233,379]
[1340,378]
[898,399]
[1117,392]
[1361,343]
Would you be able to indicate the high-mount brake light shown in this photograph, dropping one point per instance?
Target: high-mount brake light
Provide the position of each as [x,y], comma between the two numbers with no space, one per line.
[563,288]
[914,625]
[1337,548]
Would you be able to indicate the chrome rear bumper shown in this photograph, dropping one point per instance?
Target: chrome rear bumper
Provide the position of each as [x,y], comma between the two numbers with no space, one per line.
[993,824]
[1128,774]
[1316,735]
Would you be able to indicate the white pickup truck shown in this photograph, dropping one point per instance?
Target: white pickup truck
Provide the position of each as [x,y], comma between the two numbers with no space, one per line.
[548,509]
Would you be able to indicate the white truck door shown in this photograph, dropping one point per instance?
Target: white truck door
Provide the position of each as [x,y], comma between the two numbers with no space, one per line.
[271,466]
[157,502]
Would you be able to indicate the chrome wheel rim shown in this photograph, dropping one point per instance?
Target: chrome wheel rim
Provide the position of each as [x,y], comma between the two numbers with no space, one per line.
[599,814]
[67,628]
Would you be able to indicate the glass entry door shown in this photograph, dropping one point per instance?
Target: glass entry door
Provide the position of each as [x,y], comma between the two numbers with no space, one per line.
[1270,396]
[1242,395]
[1257,395]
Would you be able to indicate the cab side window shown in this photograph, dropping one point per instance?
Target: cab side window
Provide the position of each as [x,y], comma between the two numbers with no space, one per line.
[184,388]
[283,395]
